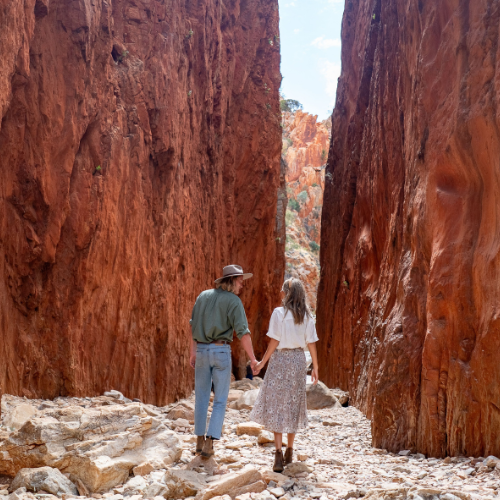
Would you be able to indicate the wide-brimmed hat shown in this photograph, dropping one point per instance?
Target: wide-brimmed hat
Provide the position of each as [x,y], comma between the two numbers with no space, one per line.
[233,270]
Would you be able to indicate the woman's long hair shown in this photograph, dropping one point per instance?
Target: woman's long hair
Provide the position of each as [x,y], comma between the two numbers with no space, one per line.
[295,300]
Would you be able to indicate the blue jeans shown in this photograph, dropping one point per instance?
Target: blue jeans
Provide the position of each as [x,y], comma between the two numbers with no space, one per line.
[213,363]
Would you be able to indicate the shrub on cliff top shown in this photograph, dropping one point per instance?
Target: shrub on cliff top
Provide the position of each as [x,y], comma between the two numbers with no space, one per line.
[290,105]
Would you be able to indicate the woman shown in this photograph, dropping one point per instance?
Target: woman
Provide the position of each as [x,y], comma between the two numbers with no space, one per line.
[281,404]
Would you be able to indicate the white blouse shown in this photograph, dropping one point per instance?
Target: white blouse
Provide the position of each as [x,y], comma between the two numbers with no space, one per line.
[290,335]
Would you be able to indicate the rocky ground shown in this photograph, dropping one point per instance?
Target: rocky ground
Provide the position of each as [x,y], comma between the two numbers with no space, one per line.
[113,448]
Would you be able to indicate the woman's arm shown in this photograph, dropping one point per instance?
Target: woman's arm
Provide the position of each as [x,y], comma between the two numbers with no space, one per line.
[314,356]
[273,344]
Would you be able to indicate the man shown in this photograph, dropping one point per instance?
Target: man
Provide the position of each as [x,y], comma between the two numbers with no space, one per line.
[217,313]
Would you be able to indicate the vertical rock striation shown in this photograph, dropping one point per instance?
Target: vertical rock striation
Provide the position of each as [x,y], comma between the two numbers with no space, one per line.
[408,306]
[140,152]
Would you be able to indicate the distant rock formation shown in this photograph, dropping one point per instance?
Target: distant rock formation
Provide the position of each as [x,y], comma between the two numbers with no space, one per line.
[305,147]
[139,154]
[408,304]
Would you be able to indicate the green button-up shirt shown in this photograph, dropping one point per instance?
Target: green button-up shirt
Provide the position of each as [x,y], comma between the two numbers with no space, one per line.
[216,314]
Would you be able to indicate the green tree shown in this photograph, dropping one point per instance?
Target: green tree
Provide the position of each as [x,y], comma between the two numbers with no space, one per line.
[290,105]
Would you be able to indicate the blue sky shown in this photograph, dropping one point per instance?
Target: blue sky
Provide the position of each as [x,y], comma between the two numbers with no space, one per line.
[310,52]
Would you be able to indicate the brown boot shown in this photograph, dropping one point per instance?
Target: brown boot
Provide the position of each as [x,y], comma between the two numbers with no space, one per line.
[208,448]
[278,461]
[288,456]
[200,441]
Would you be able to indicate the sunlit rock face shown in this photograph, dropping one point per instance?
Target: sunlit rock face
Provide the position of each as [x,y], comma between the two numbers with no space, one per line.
[305,147]
[408,306]
[140,153]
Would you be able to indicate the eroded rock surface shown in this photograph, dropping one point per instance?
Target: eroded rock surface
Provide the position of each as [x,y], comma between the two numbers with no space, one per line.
[410,256]
[305,147]
[333,460]
[139,153]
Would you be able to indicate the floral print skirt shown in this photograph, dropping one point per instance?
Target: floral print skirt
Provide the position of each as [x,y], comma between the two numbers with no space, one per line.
[281,404]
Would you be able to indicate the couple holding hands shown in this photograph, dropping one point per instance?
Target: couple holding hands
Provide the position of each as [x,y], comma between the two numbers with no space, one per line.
[281,404]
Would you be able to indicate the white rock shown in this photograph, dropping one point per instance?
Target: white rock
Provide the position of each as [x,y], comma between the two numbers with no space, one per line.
[183,483]
[19,416]
[99,446]
[135,486]
[277,492]
[44,478]
[246,400]
[233,484]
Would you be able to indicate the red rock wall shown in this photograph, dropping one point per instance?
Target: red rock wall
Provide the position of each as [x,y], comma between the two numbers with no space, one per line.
[408,313]
[139,153]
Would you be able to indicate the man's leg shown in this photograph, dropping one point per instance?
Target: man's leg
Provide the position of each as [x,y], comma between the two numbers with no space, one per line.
[202,387]
[221,374]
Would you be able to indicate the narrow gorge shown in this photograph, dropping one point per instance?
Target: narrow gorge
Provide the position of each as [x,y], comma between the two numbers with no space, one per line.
[145,145]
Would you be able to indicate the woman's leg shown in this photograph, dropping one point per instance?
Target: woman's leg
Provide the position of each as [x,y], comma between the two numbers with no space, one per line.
[278,440]
[278,455]
[289,449]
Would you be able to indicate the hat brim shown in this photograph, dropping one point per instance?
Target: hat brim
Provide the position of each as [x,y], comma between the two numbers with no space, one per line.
[245,276]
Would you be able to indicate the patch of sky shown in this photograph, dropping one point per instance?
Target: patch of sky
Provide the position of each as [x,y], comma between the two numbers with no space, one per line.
[310,52]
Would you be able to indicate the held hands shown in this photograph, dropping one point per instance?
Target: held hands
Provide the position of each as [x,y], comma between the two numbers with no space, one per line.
[257,366]
[192,359]
[314,376]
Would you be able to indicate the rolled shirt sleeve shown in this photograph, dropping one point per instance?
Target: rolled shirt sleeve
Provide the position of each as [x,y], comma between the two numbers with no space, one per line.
[311,335]
[238,319]
[275,326]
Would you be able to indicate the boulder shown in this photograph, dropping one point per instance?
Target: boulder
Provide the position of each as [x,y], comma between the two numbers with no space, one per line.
[319,396]
[491,462]
[43,478]
[342,396]
[297,468]
[183,411]
[246,400]
[250,428]
[183,483]
[99,446]
[143,469]
[234,484]
[265,437]
[278,478]
[234,395]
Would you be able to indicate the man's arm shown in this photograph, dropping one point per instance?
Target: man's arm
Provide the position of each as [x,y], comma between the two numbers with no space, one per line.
[192,357]
[246,342]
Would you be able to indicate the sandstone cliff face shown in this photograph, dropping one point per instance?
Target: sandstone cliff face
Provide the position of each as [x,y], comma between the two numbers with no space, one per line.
[305,146]
[140,152]
[408,312]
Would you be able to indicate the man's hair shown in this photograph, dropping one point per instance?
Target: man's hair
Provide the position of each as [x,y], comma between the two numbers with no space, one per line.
[226,284]
[295,300]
